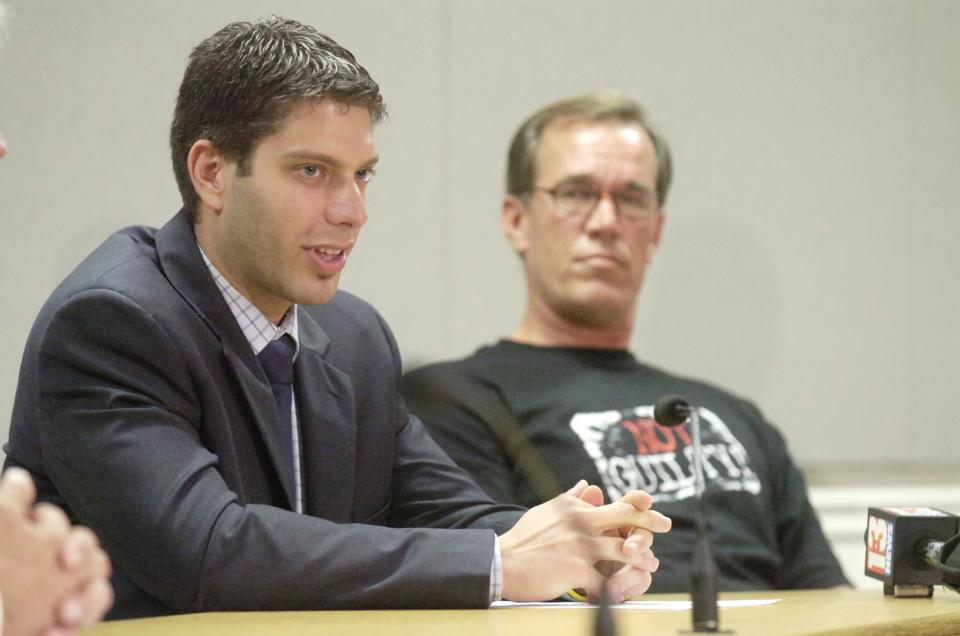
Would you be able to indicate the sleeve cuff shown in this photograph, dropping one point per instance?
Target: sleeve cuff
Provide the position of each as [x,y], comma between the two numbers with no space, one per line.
[496,573]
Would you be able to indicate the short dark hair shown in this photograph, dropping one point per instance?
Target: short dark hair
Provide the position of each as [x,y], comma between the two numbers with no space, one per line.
[244,79]
[598,106]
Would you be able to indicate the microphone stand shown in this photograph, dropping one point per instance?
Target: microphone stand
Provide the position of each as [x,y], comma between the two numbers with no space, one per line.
[604,625]
[703,568]
[673,410]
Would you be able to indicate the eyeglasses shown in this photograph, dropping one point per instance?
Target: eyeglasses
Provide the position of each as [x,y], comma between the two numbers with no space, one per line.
[578,199]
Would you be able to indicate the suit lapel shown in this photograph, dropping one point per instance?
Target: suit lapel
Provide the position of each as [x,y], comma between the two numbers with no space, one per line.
[183,265]
[326,418]
[256,393]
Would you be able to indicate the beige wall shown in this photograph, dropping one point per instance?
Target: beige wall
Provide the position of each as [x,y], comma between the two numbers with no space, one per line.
[809,258]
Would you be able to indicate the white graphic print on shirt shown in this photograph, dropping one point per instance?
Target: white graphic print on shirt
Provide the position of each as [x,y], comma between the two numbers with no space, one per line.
[632,452]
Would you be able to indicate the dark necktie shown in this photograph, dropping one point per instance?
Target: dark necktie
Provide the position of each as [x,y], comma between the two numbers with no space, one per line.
[277,362]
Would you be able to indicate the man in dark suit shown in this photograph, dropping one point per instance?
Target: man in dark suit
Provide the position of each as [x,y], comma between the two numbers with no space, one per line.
[230,426]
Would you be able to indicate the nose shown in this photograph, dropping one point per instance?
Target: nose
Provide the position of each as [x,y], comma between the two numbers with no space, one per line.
[3,146]
[348,206]
[603,217]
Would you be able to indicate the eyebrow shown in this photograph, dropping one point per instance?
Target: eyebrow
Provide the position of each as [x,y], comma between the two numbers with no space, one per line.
[589,180]
[319,157]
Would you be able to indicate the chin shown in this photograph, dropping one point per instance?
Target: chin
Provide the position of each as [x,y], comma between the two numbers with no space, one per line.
[318,294]
[596,312]
[604,300]
[612,304]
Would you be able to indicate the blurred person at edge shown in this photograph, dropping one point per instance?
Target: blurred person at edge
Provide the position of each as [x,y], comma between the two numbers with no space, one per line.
[53,577]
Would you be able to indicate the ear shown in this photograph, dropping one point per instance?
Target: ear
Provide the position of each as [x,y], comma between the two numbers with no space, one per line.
[514,220]
[209,172]
[656,235]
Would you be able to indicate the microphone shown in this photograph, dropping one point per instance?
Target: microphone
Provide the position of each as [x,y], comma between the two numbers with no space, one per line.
[911,550]
[673,410]
[944,556]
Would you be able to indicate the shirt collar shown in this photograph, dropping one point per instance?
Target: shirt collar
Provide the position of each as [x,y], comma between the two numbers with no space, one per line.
[257,328]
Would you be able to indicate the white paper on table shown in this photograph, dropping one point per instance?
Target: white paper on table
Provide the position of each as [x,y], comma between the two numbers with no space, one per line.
[646,606]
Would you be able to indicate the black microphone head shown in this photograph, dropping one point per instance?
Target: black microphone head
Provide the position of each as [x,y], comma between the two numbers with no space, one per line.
[671,410]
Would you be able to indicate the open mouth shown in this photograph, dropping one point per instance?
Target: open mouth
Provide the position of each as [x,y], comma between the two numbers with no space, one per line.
[328,254]
[328,260]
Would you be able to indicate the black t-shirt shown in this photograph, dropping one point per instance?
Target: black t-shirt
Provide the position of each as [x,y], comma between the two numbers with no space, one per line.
[529,422]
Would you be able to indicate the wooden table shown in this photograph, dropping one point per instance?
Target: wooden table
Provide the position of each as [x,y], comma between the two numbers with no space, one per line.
[822,612]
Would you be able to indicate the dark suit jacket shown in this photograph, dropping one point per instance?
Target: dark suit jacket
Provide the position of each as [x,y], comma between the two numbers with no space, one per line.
[142,410]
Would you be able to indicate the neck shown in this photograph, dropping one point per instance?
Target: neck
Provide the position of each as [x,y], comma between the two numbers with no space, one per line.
[274,310]
[545,327]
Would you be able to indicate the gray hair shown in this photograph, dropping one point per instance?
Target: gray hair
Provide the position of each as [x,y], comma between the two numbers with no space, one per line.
[599,106]
[243,80]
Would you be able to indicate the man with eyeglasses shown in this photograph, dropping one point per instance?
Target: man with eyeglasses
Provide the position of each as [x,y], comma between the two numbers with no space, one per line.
[563,397]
